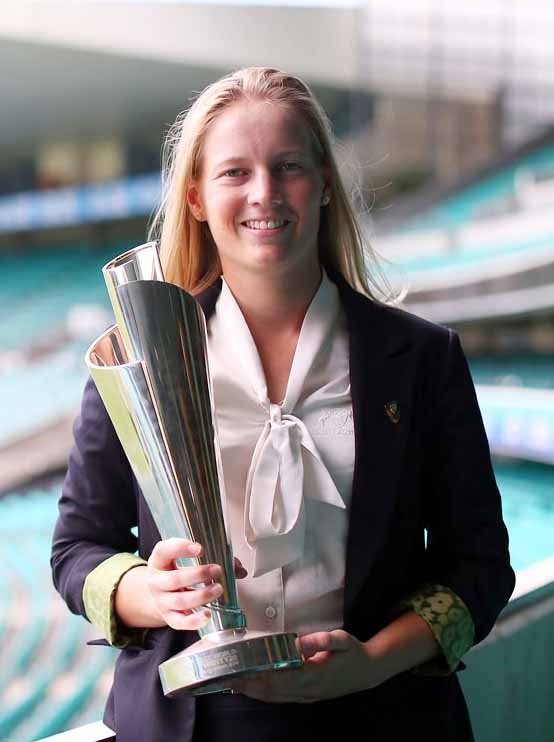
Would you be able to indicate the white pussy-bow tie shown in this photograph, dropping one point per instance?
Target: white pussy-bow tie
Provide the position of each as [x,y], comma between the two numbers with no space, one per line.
[285,458]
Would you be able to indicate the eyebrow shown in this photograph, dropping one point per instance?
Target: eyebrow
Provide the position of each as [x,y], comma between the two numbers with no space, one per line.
[238,159]
[229,161]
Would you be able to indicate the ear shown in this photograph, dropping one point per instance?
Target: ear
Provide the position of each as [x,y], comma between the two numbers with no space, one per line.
[195,203]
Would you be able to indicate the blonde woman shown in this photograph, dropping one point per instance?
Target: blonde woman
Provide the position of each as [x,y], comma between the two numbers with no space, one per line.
[362,504]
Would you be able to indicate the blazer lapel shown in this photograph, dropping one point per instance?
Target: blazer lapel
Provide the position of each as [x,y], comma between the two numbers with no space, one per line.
[208,298]
[380,377]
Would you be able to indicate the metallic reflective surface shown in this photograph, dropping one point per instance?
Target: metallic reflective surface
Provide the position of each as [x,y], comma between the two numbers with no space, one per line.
[140,263]
[124,391]
[151,371]
[205,668]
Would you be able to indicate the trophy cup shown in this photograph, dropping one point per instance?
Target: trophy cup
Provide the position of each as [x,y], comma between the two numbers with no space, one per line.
[152,373]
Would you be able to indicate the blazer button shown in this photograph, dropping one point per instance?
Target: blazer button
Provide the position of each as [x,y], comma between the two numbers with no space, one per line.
[270,611]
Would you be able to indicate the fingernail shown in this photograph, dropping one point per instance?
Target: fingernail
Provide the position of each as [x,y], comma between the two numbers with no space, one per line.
[216,589]
[195,548]
[215,571]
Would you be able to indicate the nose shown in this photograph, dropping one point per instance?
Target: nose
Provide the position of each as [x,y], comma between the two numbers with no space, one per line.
[264,189]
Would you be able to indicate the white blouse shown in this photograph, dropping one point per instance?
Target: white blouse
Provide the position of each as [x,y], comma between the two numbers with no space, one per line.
[287,467]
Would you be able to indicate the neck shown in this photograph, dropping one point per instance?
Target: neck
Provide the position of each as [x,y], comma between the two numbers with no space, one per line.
[274,304]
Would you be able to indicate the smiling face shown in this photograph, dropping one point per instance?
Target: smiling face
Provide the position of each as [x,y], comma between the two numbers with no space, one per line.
[260,189]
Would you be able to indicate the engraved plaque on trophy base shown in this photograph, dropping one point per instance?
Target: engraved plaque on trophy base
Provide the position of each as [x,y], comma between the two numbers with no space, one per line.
[207,666]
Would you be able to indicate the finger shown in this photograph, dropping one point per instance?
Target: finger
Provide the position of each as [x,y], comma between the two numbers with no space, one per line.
[311,644]
[183,577]
[187,622]
[165,552]
[187,600]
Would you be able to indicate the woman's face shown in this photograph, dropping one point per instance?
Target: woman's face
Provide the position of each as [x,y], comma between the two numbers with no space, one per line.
[260,190]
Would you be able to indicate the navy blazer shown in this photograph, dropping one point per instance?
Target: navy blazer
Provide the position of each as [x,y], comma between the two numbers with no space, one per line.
[429,472]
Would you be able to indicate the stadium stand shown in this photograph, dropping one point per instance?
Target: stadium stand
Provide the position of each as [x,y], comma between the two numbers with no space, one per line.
[49,677]
[465,235]
[528,508]
[42,286]
[514,371]
[482,197]
[41,393]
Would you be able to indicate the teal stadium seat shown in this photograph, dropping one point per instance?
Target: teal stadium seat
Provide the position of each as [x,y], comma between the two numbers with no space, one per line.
[528,504]
[470,203]
[34,396]
[49,678]
[523,371]
[40,295]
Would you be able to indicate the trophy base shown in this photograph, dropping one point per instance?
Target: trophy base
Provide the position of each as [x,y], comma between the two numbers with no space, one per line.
[207,665]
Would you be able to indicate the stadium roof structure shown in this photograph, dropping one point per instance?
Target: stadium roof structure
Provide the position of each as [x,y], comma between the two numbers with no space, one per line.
[84,68]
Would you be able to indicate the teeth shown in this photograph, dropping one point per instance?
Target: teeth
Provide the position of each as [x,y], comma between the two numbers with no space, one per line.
[273,224]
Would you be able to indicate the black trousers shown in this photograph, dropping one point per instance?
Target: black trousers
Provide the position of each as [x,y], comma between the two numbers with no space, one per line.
[236,718]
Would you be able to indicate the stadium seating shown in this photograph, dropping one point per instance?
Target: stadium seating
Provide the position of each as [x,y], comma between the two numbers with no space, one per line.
[49,678]
[493,230]
[42,287]
[528,507]
[514,371]
[477,200]
[37,395]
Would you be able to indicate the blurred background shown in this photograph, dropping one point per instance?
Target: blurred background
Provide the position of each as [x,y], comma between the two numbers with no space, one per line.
[444,113]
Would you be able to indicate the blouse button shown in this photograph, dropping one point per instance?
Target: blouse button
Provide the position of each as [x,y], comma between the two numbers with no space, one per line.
[270,611]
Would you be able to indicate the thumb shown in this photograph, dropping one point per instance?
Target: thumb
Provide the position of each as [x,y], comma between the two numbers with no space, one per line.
[324,641]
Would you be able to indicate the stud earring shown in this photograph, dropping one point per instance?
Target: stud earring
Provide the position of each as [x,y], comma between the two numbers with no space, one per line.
[325,199]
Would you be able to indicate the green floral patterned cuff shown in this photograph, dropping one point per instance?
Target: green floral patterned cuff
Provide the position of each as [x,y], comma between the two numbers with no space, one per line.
[451,623]
[99,599]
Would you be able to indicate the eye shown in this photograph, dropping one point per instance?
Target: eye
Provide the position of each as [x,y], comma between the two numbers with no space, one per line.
[290,166]
[234,172]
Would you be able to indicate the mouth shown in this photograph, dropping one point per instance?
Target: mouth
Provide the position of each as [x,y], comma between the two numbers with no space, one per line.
[263,225]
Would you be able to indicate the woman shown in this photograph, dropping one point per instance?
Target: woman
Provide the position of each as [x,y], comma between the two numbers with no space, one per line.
[361,496]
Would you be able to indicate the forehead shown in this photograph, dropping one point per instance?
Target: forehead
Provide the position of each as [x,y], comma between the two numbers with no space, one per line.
[255,128]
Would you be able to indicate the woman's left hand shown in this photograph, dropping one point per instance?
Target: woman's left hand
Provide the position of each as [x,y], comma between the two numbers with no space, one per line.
[336,664]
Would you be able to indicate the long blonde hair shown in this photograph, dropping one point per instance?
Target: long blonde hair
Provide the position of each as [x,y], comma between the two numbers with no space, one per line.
[188,252]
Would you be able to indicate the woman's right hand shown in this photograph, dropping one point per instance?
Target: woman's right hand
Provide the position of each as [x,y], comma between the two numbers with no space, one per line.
[171,587]
[162,593]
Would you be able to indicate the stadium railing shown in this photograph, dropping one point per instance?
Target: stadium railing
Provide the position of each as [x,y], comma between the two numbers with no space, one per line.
[95,732]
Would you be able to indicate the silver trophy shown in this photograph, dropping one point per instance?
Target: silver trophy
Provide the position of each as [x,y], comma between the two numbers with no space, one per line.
[151,370]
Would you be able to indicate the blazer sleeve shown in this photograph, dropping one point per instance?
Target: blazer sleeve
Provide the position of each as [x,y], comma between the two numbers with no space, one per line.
[99,599]
[97,507]
[467,540]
